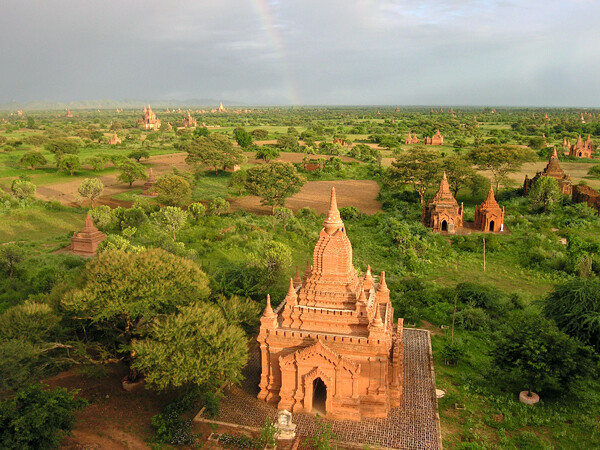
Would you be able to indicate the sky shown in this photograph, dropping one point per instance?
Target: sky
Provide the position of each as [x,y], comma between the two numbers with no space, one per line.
[303,52]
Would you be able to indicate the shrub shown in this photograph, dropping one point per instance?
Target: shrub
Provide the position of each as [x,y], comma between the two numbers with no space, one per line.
[218,207]
[197,211]
[36,418]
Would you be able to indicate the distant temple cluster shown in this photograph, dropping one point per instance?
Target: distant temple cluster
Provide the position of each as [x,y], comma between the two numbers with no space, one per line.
[436,139]
[189,121]
[149,121]
[442,213]
[581,148]
[332,345]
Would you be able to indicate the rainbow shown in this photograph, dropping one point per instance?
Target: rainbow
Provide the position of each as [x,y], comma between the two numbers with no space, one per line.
[266,18]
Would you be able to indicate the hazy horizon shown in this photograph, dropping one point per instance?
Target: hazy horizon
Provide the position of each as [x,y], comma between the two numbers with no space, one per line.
[308,53]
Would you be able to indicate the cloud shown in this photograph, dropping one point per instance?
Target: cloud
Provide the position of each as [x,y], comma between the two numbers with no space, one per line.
[307,51]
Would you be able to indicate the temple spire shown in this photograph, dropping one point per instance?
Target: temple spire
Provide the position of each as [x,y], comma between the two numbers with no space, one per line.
[377,321]
[382,286]
[291,294]
[333,221]
[268,310]
[297,279]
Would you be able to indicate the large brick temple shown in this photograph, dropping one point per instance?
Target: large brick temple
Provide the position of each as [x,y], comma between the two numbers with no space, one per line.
[332,345]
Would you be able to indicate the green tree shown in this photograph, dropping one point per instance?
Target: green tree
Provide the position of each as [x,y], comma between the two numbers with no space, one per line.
[419,167]
[200,132]
[215,151]
[283,215]
[273,182]
[23,189]
[195,347]
[273,258]
[545,194]
[196,211]
[62,146]
[266,153]
[242,137]
[37,417]
[10,256]
[218,207]
[91,188]
[130,171]
[70,163]
[139,154]
[32,159]
[34,322]
[500,160]
[121,291]
[288,143]
[459,172]
[171,219]
[575,307]
[532,352]
[259,134]
[594,171]
[96,162]
[173,190]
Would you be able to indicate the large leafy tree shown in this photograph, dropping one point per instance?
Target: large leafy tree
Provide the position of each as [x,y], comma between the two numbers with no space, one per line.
[198,346]
[575,307]
[215,151]
[459,172]
[91,188]
[500,160]
[119,292]
[62,146]
[532,352]
[242,137]
[173,190]
[130,171]
[273,182]
[419,167]
[32,159]
[10,256]
[545,194]
[171,219]
[139,154]
[69,163]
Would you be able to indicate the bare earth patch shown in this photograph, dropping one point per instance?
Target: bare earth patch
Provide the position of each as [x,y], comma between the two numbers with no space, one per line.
[114,418]
[361,194]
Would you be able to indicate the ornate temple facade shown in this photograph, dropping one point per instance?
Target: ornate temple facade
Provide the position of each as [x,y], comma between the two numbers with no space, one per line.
[411,139]
[442,213]
[489,216]
[86,242]
[149,121]
[114,140]
[581,148]
[553,170]
[437,139]
[332,345]
[189,121]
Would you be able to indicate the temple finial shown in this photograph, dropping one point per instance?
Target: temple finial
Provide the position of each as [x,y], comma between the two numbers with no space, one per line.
[268,310]
[377,321]
[333,221]
[382,285]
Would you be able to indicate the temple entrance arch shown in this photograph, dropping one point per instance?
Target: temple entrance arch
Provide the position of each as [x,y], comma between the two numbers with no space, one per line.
[444,225]
[492,225]
[319,401]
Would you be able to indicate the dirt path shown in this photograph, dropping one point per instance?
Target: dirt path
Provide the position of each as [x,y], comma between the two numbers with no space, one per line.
[315,194]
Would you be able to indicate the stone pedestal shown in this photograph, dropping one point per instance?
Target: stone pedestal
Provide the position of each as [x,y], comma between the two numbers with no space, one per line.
[285,428]
[528,400]
[86,241]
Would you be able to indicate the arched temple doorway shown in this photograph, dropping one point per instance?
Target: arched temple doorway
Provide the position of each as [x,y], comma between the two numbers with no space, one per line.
[492,224]
[319,396]
[444,225]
